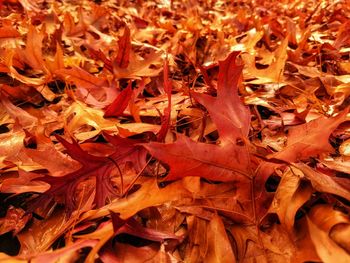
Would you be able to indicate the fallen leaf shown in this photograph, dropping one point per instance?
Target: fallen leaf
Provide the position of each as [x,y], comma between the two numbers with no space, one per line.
[100,168]
[117,107]
[324,183]
[321,218]
[124,44]
[188,158]
[219,247]
[291,194]
[307,140]
[15,220]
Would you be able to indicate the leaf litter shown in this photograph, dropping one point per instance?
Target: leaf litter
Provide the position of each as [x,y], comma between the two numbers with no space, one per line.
[174,131]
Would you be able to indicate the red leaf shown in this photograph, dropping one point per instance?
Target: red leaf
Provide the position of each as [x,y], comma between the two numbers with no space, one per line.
[229,161]
[92,166]
[132,227]
[231,116]
[124,45]
[117,107]
[15,220]
[98,54]
[139,22]
[188,158]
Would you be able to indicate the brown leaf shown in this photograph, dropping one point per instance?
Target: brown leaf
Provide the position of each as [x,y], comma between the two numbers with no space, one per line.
[42,234]
[291,194]
[272,74]
[320,220]
[36,81]
[219,247]
[322,182]
[69,253]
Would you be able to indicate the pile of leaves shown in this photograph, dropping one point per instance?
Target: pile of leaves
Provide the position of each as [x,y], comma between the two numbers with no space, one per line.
[174,131]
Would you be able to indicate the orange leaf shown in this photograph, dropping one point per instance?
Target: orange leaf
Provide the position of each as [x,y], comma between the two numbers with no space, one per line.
[9,32]
[310,139]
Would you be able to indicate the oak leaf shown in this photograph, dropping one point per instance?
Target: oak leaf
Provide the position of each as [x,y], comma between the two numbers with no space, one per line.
[309,139]
[228,161]
[32,54]
[96,167]
[8,32]
[219,247]
[15,220]
[124,44]
[290,195]
[320,221]
[117,107]
[132,227]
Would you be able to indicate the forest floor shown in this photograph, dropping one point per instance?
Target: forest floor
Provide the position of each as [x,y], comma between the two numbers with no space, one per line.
[174,131]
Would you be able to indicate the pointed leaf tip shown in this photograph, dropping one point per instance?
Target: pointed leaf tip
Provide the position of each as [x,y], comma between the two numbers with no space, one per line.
[231,116]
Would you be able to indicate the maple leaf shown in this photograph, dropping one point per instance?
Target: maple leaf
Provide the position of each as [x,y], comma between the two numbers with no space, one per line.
[57,62]
[230,115]
[43,233]
[122,252]
[30,7]
[338,164]
[23,183]
[141,199]
[77,115]
[324,183]
[67,253]
[147,66]
[9,61]
[272,74]
[91,89]
[188,158]
[98,54]
[10,144]
[290,195]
